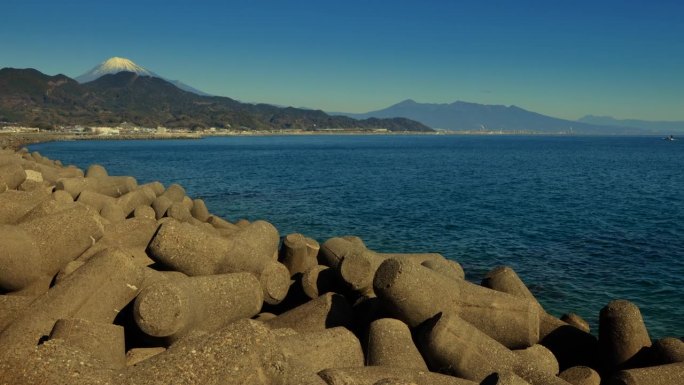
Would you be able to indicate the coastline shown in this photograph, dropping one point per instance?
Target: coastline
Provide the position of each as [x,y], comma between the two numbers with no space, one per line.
[17,140]
[279,300]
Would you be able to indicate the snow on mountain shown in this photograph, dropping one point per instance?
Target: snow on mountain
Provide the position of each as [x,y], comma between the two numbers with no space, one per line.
[112,66]
[115,65]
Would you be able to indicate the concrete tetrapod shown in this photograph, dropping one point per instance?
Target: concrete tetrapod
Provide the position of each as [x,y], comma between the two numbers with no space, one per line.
[623,338]
[453,345]
[11,306]
[572,346]
[671,374]
[308,353]
[576,321]
[11,176]
[173,307]
[132,235]
[414,293]
[103,341]
[320,279]
[370,375]
[194,251]
[446,267]
[97,291]
[114,186]
[34,251]
[296,255]
[390,344]
[326,311]
[357,264]
[136,355]
[541,358]
[199,210]
[664,351]
[243,352]
[15,204]
[506,378]
[581,375]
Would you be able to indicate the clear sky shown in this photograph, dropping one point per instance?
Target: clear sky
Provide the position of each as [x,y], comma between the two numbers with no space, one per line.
[621,58]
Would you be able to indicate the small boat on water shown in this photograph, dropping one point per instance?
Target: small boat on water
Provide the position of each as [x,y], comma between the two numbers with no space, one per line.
[669,138]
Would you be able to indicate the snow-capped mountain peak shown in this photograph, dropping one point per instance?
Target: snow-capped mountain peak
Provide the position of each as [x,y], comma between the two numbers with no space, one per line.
[116,64]
[112,66]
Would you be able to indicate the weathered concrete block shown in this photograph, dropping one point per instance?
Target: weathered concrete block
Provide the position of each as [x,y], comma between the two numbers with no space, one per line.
[221,223]
[295,254]
[329,310]
[670,374]
[179,212]
[130,235]
[244,352]
[12,175]
[175,193]
[96,292]
[16,204]
[575,320]
[390,344]
[193,251]
[155,186]
[96,171]
[55,363]
[199,210]
[308,353]
[408,290]
[9,158]
[161,205]
[506,378]
[623,338]
[357,264]
[541,358]
[68,269]
[454,346]
[370,375]
[137,355]
[113,213]
[103,341]
[144,212]
[320,279]
[36,250]
[446,267]
[114,186]
[581,375]
[10,308]
[172,308]
[62,196]
[142,196]
[666,351]
[571,346]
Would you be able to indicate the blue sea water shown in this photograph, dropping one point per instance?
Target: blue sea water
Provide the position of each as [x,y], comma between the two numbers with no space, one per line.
[583,220]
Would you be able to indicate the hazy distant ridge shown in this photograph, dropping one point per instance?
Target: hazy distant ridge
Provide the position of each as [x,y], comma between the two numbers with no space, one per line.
[655,126]
[463,116]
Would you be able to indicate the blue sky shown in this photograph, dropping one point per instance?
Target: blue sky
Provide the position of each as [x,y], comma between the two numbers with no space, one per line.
[560,58]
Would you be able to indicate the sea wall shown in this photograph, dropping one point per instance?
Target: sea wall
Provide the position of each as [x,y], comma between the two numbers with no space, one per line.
[107,281]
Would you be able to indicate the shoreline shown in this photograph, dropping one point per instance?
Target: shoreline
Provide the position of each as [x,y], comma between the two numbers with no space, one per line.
[17,140]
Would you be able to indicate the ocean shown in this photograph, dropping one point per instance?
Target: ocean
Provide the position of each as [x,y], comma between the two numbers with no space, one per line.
[582,220]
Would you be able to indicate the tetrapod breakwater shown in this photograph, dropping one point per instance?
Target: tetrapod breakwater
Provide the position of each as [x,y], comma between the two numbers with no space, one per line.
[108,281]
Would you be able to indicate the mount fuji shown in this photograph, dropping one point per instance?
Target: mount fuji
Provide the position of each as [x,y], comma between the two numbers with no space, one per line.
[115,65]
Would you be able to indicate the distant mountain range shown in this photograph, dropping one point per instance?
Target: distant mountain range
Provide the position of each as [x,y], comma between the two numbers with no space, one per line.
[473,117]
[29,97]
[654,126]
